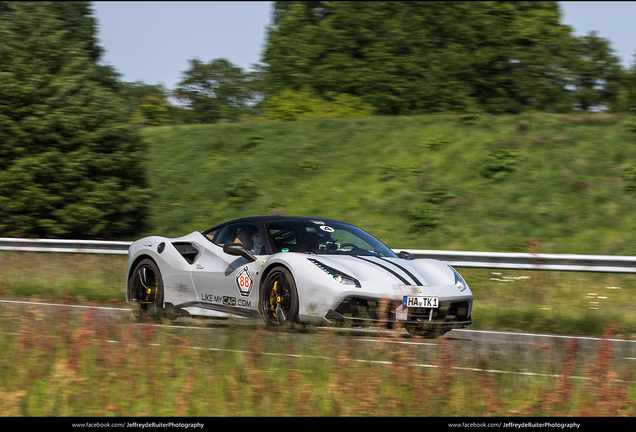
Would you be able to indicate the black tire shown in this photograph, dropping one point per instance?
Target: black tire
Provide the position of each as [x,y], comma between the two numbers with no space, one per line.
[146,291]
[279,299]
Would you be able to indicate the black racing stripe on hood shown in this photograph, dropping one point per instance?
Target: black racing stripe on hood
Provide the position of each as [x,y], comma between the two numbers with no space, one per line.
[404,281]
[416,280]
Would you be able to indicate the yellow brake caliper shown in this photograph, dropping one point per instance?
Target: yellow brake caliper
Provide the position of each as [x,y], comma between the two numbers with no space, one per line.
[149,290]
[271,299]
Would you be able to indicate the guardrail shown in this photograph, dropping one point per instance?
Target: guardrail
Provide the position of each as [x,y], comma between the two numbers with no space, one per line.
[494,260]
[520,261]
[72,246]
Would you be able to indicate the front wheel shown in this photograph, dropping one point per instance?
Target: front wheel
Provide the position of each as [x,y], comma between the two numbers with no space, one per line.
[279,298]
[146,291]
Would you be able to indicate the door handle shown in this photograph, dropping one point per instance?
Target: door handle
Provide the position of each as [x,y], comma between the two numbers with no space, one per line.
[200,266]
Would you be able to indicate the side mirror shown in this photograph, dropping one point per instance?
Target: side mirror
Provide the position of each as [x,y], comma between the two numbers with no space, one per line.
[238,249]
[405,255]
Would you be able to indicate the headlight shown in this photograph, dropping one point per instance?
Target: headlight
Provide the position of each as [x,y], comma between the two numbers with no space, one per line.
[338,276]
[460,283]
[346,280]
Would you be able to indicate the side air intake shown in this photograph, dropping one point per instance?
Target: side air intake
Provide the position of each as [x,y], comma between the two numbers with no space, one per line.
[187,251]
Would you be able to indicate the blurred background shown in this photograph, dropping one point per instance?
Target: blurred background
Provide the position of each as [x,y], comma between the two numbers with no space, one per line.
[471,126]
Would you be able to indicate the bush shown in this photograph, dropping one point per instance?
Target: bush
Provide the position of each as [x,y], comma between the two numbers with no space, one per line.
[435,143]
[470,117]
[251,142]
[425,215]
[153,111]
[387,172]
[241,190]
[428,210]
[630,179]
[500,163]
[631,125]
[302,105]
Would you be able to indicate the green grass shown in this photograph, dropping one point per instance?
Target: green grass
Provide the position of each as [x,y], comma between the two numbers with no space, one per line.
[575,303]
[63,277]
[555,185]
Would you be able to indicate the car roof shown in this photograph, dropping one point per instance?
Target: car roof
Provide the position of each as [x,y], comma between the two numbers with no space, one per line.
[262,219]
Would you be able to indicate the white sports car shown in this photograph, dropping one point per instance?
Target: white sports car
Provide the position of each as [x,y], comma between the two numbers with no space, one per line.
[292,269]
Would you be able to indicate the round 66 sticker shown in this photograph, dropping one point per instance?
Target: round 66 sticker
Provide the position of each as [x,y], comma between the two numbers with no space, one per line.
[244,281]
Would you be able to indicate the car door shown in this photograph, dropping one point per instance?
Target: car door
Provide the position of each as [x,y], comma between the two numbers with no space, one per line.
[226,282]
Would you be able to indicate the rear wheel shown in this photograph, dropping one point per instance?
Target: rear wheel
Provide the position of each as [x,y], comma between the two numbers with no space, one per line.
[146,291]
[279,298]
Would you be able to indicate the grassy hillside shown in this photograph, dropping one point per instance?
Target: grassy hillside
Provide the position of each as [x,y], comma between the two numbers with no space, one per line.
[538,182]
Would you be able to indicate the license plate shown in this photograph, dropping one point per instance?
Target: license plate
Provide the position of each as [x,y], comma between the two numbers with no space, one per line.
[420,302]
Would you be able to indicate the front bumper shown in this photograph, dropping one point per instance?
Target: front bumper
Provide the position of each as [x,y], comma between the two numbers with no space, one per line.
[358,311]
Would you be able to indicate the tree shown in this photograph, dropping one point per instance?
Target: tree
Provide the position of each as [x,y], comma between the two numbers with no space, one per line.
[415,57]
[70,159]
[539,47]
[217,90]
[148,104]
[596,72]
[76,18]
[628,90]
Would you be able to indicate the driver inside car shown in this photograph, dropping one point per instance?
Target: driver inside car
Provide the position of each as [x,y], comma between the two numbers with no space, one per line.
[250,237]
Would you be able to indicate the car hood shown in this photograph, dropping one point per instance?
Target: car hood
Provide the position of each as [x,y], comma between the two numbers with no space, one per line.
[418,272]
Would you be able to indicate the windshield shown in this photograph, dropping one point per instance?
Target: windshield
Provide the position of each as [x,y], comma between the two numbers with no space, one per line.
[318,237]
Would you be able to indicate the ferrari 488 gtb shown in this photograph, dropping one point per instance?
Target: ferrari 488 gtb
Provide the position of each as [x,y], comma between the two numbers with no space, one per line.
[292,269]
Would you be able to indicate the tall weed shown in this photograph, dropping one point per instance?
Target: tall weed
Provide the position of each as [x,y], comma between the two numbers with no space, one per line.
[97,367]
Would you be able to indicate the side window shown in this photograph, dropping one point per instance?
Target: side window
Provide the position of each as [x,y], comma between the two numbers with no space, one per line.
[283,238]
[211,235]
[225,235]
[245,233]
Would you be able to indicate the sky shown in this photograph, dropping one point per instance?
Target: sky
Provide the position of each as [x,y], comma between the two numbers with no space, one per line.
[153,41]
